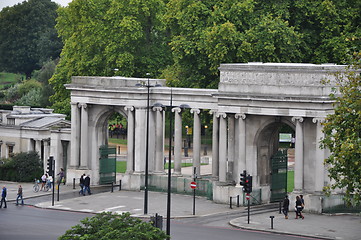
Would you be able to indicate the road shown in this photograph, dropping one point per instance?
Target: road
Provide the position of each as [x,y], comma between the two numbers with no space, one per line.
[27,222]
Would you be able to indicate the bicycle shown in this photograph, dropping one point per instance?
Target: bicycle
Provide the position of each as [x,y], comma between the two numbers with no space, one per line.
[36,186]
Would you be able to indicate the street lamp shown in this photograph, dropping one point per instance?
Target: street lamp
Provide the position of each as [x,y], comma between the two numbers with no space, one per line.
[148,86]
[170,161]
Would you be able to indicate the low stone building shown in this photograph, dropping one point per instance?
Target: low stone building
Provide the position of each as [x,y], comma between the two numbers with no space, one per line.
[25,129]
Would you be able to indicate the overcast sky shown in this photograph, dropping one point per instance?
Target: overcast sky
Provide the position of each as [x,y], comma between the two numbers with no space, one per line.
[10,3]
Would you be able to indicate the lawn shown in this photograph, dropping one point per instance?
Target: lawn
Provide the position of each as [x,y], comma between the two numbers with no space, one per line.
[290,180]
[7,79]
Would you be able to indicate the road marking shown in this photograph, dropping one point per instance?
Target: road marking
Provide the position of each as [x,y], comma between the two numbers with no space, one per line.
[112,208]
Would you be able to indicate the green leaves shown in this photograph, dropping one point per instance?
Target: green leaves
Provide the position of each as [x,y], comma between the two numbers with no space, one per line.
[108,226]
[343,134]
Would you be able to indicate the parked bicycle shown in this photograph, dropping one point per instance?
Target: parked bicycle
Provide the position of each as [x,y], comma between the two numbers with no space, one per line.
[36,186]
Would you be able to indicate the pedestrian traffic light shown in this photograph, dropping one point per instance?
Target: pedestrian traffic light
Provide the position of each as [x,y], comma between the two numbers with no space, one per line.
[243,178]
[248,185]
[50,168]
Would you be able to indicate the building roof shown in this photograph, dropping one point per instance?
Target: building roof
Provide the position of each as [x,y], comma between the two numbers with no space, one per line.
[45,122]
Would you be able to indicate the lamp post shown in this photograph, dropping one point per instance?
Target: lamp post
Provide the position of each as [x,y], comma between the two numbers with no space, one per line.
[146,154]
[169,163]
[170,160]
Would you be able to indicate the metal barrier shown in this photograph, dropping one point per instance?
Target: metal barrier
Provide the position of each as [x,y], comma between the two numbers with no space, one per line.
[120,186]
[230,201]
[157,221]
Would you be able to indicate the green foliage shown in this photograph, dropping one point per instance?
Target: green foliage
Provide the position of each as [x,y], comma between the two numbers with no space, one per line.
[27,36]
[21,167]
[108,226]
[100,36]
[343,133]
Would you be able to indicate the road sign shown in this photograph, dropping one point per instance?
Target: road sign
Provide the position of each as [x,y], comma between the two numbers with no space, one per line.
[193,185]
[247,196]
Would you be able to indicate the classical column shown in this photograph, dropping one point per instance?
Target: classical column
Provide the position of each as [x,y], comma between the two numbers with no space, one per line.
[140,139]
[298,153]
[222,147]
[75,136]
[84,136]
[320,156]
[130,139]
[46,143]
[159,154]
[230,152]
[215,145]
[38,147]
[196,141]
[241,157]
[177,141]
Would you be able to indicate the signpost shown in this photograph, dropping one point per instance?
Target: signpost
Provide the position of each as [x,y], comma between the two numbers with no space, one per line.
[194,186]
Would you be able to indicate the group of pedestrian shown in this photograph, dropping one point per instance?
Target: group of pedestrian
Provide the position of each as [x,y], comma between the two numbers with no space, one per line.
[4,195]
[46,180]
[299,206]
[84,184]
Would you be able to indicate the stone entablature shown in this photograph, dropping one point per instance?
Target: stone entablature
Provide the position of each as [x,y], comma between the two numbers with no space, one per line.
[278,79]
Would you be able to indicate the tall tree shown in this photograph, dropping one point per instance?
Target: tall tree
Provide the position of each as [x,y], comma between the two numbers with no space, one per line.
[343,134]
[103,35]
[27,36]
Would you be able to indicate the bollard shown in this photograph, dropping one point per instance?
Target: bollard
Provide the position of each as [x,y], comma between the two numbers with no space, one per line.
[157,221]
[280,207]
[120,185]
[112,190]
[272,217]
[230,202]
[73,183]
[237,200]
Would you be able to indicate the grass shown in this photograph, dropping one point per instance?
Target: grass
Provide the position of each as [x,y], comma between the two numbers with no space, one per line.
[8,79]
[121,166]
[290,180]
[114,141]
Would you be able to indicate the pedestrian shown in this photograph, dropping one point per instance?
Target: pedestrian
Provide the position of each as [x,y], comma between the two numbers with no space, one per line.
[3,197]
[298,208]
[87,185]
[20,196]
[82,184]
[43,181]
[49,181]
[61,176]
[286,205]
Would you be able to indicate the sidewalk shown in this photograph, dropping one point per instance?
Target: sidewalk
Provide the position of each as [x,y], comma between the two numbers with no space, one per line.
[319,226]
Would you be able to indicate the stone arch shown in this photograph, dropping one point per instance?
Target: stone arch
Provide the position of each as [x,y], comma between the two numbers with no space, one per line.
[267,144]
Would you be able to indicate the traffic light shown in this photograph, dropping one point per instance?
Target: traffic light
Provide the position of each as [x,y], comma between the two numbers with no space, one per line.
[248,185]
[243,178]
[50,168]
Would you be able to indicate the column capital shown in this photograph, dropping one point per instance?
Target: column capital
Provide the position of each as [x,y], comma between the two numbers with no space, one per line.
[129,108]
[240,116]
[300,119]
[195,110]
[213,111]
[82,105]
[155,109]
[176,110]
[318,120]
[221,114]
[74,103]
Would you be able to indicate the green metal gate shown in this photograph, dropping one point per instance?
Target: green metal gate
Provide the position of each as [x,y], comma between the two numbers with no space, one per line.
[107,164]
[279,175]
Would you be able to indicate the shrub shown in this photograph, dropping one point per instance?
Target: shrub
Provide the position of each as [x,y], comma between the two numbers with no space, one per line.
[21,167]
[108,226]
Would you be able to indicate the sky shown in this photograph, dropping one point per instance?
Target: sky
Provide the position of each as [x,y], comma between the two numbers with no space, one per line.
[10,3]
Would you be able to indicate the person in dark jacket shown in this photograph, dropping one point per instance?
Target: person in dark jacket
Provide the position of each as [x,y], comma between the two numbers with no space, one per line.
[299,208]
[20,196]
[286,205]
[3,197]
[87,185]
[82,184]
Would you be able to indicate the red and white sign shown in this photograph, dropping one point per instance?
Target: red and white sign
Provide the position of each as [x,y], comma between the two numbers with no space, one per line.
[193,185]
[247,196]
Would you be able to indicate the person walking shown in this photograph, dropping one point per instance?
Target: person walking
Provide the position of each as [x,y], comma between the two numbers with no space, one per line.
[82,184]
[3,197]
[286,205]
[20,196]
[87,185]
[61,176]
[298,208]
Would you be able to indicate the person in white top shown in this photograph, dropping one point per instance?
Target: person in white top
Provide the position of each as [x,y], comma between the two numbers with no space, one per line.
[43,181]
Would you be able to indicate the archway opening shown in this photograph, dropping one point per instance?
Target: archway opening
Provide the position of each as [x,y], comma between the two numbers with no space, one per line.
[275,166]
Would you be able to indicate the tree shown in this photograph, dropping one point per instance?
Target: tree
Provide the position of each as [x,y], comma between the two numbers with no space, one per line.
[343,133]
[108,226]
[27,36]
[104,35]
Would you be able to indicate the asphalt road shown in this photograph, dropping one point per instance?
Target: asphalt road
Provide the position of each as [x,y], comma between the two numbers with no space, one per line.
[30,223]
